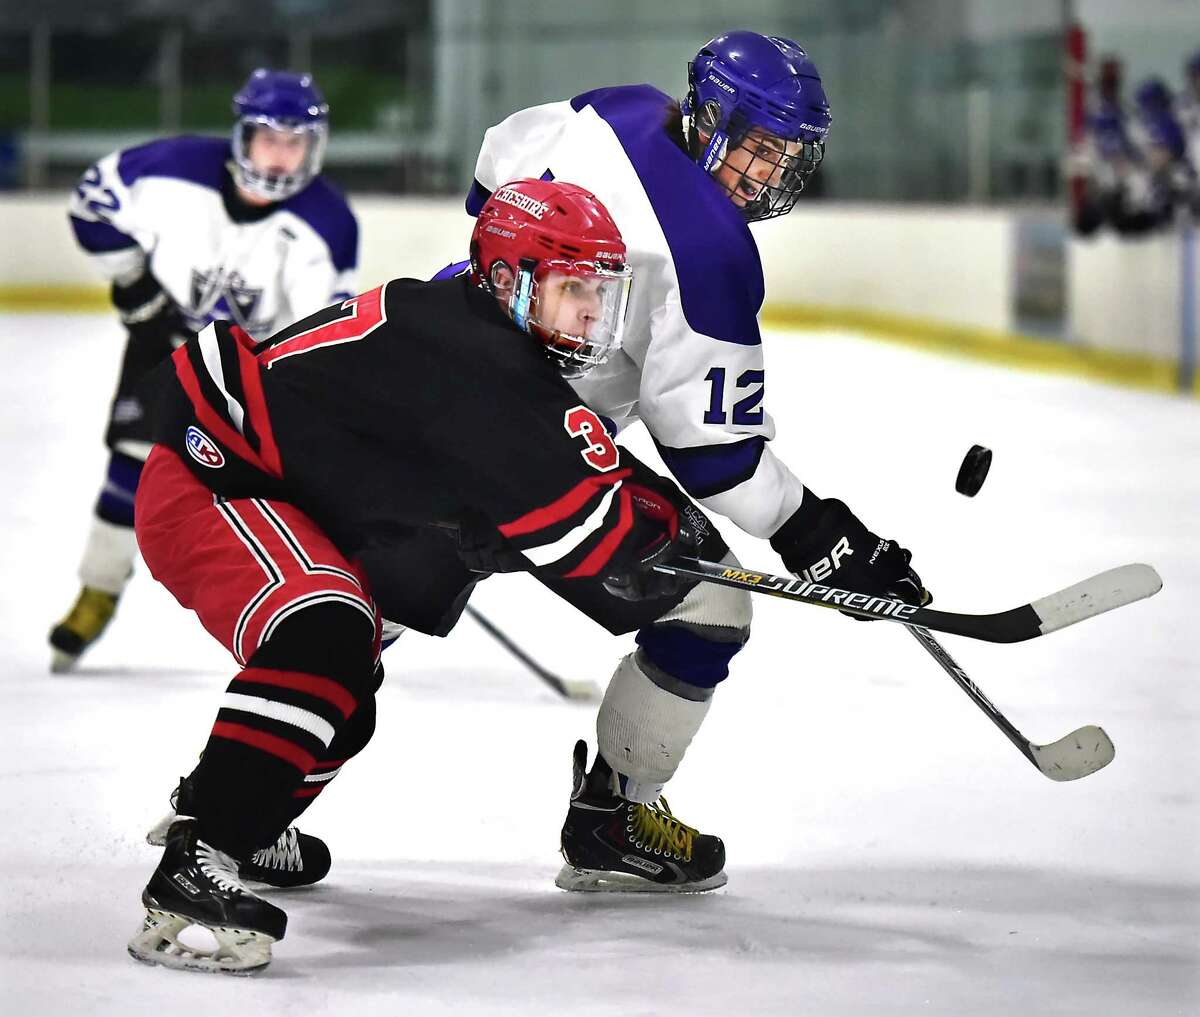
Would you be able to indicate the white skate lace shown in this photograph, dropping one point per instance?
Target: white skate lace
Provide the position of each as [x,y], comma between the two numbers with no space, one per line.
[219,868]
[283,854]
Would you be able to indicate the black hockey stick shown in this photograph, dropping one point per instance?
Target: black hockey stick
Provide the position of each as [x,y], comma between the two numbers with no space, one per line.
[1082,752]
[569,688]
[1104,592]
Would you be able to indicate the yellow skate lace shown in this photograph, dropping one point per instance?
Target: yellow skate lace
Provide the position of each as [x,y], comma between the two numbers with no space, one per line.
[91,613]
[655,828]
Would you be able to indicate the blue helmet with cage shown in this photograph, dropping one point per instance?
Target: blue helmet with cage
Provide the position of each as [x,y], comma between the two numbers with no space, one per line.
[757,118]
[290,114]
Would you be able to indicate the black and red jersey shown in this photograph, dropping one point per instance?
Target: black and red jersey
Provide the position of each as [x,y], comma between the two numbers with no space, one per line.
[415,404]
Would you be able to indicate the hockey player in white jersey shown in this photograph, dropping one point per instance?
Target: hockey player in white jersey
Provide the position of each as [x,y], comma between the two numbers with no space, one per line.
[188,230]
[682,181]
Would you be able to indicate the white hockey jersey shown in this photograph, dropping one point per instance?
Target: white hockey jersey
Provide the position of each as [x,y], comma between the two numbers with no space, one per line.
[1189,121]
[170,205]
[692,365]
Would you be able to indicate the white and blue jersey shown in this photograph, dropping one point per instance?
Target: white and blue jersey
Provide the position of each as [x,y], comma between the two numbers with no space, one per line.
[171,206]
[692,364]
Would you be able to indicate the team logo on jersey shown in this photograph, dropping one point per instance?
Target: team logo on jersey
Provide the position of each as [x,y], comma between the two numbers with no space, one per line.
[203,449]
[698,521]
[217,295]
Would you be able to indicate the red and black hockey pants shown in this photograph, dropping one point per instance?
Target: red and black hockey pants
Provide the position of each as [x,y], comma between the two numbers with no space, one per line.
[299,619]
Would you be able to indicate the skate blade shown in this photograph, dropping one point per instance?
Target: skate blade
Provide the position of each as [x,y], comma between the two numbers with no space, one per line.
[157,834]
[63,663]
[603,881]
[238,951]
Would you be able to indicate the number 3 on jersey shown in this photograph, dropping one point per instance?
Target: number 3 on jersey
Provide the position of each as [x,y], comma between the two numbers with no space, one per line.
[601,453]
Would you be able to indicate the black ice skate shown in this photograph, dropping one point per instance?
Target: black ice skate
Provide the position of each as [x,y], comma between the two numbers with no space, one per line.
[618,845]
[196,888]
[295,859]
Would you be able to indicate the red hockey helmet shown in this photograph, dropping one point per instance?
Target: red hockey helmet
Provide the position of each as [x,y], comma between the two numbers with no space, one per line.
[553,256]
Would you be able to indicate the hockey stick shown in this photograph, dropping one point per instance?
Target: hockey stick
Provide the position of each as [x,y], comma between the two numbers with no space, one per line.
[581,690]
[1104,592]
[1082,752]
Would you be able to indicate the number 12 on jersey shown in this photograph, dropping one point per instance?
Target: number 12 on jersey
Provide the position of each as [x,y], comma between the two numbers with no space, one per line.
[744,411]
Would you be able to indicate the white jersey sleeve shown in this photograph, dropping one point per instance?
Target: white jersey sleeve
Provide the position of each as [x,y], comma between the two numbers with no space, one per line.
[692,366]
[104,217]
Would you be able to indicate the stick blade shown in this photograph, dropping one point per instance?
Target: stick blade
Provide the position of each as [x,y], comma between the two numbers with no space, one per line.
[1104,592]
[580,690]
[1079,754]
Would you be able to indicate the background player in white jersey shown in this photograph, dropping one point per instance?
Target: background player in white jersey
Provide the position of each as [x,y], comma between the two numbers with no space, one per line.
[682,181]
[190,230]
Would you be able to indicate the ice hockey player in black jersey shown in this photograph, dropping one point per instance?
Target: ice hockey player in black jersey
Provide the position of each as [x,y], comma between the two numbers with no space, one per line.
[376,460]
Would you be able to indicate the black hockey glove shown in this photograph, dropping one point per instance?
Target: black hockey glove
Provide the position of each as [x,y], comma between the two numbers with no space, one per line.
[660,532]
[824,542]
[156,326]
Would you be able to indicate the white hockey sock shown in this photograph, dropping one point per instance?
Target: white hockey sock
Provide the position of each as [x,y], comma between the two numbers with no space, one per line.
[108,557]
[643,730]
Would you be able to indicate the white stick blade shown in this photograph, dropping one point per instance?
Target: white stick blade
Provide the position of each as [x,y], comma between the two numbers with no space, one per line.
[1112,589]
[582,690]
[1079,754]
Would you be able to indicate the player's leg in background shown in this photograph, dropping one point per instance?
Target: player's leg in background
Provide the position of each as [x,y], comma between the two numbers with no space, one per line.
[111,547]
[266,582]
[105,567]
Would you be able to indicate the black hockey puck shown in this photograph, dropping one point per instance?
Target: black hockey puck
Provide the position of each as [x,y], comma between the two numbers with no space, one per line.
[974,470]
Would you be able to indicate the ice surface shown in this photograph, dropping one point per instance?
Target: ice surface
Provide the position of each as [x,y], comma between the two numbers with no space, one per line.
[890,853]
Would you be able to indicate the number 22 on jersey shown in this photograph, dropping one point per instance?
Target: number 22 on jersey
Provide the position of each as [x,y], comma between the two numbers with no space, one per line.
[601,453]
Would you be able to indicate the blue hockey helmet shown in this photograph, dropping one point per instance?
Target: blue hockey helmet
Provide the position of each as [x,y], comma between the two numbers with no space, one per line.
[291,106]
[757,119]
[1191,66]
[1152,95]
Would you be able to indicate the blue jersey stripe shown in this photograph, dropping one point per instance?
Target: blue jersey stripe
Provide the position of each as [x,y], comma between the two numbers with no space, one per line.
[455,268]
[715,258]
[100,237]
[711,469]
[476,198]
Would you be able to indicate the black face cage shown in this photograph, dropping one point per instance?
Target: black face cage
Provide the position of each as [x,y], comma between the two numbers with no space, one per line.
[789,175]
[789,172]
